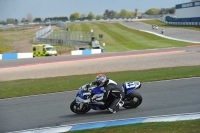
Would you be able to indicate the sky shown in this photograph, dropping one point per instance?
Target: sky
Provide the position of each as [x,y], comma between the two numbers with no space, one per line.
[56,8]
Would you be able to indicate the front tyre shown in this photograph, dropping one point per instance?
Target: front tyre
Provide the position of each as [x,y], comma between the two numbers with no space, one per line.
[79,108]
[132,100]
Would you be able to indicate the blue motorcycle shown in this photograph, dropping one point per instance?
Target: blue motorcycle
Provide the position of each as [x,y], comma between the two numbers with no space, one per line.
[82,103]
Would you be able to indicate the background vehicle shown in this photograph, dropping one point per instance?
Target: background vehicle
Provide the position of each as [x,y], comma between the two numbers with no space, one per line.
[82,103]
[43,50]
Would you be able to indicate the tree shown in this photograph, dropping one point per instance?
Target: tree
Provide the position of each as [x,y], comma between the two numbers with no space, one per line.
[24,20]
[167,10]
[37,20]
[2,22]
[55,18]
[99,16]
[106,13]
[132,14]
[16,21]
[83,15]
[10,20]
[123,13]
[172,10]
[152,11]
[74,16]
[91,16]
[29,17]
[110,14]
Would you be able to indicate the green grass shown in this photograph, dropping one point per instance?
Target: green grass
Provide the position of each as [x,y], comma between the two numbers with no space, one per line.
[120,38]
[10,35]
[15,28]
[58,84]
[161,24]
[190,126]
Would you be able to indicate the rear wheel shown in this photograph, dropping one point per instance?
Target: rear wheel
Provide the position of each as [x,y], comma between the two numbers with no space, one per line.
[79,108]
[133,100]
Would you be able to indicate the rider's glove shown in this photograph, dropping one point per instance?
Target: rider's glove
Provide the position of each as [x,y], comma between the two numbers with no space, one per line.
[92,100]
[94,83]
[87,86]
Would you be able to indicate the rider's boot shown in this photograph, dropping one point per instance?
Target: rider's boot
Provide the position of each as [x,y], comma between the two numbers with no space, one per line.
[121,103]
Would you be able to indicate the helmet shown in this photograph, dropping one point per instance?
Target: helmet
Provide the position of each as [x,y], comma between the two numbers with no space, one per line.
[100,79]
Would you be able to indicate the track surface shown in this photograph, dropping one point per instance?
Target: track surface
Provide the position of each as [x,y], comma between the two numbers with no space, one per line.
[20,62]
[178,33]
[73,65]
[159,98]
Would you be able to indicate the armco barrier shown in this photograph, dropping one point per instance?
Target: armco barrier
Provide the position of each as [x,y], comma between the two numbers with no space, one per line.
[24,55]
[15,56]
[87,51]
[9,56]
[102,49]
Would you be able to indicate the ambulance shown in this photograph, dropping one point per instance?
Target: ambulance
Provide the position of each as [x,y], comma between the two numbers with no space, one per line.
[43,50]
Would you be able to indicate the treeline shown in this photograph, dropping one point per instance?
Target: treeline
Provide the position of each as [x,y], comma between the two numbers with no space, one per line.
[107,14]
[155,11]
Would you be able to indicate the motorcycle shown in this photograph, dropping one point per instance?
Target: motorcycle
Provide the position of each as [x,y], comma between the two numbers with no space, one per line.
[82,103]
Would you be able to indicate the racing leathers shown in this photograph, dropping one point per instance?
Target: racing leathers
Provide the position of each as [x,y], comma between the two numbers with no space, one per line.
[113,88]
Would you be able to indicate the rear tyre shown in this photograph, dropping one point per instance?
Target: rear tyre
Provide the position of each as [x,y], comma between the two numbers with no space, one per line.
[76,108]
[133,100]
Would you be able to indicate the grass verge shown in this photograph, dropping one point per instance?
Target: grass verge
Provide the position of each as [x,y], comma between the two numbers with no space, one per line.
[190,126]
[120,38]
[12,34]
[26,87]
[161,24]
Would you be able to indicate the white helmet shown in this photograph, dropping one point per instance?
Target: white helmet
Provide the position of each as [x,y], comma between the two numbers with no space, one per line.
[100,79]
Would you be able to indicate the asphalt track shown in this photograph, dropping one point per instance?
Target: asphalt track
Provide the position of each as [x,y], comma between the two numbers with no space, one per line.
[159,98]
[76,65]
[178,33]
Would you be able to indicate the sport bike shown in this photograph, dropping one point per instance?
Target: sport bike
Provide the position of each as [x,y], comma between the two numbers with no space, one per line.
[82,103]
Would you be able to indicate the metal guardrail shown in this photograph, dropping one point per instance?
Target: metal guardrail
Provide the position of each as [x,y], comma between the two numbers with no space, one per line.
[46,35]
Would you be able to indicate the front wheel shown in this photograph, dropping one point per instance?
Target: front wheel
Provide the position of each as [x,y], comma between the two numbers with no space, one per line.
[79,108]
[132,100]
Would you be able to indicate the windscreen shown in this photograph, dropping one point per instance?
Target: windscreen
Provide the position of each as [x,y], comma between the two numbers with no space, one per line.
[49,49]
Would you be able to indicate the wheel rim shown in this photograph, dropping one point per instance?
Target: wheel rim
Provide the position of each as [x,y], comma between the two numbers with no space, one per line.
[134,102]
[80,108]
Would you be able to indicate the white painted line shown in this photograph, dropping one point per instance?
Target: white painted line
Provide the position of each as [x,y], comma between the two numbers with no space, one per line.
[39,95]
[162,118]
[57,129]
[169,37]
[172,79]
[175,117]
[192,116]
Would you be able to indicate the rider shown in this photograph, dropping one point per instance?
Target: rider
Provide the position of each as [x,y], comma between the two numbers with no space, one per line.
[109,87]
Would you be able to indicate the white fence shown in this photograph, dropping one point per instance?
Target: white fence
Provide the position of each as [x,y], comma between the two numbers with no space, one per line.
[42,32]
